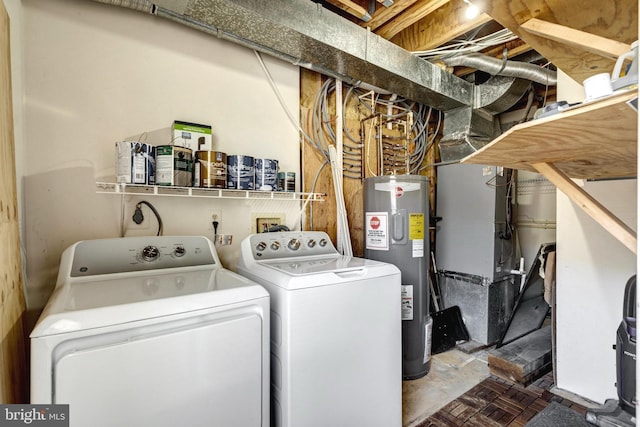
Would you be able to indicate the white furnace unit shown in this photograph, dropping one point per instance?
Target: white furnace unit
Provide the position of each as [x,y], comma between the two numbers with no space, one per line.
[152,331]
[336,348]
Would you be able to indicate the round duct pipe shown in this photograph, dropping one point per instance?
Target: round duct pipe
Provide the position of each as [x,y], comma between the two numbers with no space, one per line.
[495,66]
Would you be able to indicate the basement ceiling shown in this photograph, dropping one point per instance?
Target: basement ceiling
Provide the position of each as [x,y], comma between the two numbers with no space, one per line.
[385,46]
[422,25]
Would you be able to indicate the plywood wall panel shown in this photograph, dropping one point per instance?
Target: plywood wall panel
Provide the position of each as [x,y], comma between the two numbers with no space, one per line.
[13,360]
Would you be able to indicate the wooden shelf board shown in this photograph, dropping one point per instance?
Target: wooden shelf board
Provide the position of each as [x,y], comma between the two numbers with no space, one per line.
[596,140]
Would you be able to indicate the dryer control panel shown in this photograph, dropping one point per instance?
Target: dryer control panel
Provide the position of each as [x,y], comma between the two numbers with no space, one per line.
[288,244]
[129,254]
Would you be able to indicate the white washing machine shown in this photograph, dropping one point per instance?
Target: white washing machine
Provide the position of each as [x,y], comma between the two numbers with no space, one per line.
[336,349]
[152,331]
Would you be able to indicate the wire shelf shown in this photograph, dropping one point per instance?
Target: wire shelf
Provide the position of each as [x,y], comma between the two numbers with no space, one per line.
[535,185]
[215,193]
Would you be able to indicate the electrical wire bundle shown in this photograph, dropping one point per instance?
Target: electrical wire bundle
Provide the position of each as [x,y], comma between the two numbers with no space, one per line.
[466,46]
[415,115]
[323,133]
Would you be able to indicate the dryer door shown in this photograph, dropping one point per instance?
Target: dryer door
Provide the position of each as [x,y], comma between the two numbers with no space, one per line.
[198,371]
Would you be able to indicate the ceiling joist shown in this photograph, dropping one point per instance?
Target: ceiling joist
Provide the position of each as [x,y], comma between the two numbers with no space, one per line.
[384,15]
[441,26]
[352,8]
[409,16]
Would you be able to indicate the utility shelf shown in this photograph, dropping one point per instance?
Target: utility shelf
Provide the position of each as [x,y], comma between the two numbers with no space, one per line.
[596,140]
[215,193]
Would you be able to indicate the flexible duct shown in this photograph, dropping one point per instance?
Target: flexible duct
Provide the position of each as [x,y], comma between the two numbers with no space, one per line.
[495,66]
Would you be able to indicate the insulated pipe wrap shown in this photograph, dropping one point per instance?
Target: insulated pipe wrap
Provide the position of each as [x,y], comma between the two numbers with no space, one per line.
[495,66]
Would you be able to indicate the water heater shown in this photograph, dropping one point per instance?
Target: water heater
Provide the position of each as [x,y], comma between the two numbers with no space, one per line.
[396,216]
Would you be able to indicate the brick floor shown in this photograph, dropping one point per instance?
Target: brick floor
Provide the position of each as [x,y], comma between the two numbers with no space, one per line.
[498,403]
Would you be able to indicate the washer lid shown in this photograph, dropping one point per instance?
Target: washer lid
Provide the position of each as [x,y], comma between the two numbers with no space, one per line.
[310,272]
[321,264]
[104,301]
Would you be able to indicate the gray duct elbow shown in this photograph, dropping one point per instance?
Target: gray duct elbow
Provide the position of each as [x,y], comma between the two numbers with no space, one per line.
[494,66]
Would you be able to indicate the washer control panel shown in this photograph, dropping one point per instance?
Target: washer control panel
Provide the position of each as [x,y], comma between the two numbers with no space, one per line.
[128,254]
[288,244]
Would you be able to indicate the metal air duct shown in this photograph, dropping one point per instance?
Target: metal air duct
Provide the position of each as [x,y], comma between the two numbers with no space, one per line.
[469,128]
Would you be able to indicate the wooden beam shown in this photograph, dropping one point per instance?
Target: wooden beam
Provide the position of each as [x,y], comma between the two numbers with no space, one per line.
[523,360]
[589,205]
[441,26]
[352,8]
[14,365]
[409,17]
[602,46]
[381,16]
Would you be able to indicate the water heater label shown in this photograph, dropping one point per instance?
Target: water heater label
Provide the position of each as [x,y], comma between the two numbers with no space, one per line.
[417,248]
[427,341]
[416,234]
[416,226]
[377,231]
[407,302]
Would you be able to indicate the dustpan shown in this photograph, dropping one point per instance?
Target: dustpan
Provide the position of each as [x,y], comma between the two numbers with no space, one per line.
[448,329]
[448,326]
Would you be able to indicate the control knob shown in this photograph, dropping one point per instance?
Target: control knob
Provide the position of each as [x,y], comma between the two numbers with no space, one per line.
[294,244]
[275,246]
[311,243]
[150,253]
[261,246]
[323,242]
[179,251]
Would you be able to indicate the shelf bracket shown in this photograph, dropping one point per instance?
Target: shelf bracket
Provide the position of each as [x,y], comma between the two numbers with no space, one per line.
[589,205]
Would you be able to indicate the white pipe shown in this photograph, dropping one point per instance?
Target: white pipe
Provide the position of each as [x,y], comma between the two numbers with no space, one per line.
[344,237]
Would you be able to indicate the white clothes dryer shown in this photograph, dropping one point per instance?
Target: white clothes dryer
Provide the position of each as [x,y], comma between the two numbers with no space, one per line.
[336,344]
[152,331]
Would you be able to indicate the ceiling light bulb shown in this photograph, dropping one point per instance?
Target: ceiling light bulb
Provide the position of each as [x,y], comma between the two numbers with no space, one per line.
[471,11]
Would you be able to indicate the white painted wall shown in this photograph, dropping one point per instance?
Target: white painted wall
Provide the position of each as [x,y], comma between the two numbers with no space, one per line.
[95,74]
[536,204]
[592,269]
[536,214]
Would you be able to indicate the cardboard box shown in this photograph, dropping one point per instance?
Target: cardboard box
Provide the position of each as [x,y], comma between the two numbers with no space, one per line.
[194,136]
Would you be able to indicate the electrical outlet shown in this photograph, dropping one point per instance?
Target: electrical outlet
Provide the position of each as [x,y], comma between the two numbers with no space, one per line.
[264,224]
[261,222]
[214,215]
